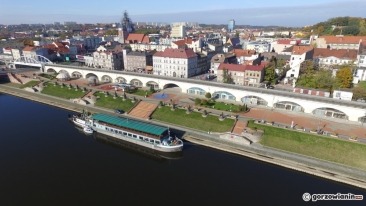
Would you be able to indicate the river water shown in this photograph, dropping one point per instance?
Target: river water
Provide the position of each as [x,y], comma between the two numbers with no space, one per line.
[45,160]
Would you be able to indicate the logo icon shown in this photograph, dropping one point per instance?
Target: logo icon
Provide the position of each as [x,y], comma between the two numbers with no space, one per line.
[306,197]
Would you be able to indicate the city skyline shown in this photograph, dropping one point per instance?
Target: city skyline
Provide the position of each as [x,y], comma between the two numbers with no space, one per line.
[281,13]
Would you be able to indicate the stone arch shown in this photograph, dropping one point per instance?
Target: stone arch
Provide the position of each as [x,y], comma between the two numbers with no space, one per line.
[152,84]
[51,70]
[76,74]
[196,91]
[120,80]
[291,106]
[330,112]
[362,119]
[170,85]
[223,95]
[92,79]
[64,71]
[106,79]
[254,100]
[136,83]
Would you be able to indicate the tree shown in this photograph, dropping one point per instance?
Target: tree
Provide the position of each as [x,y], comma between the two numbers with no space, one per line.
[227,77]
[344,77]
[28,42]
[359,93]
[208,95]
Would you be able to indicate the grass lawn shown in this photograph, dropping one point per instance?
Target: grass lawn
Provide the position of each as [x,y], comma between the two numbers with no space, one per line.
[193,120]
[48,76]
[30,84]
[327,148]
[141,92]
[222,106]
[109,102]
[64,92]
[362,84]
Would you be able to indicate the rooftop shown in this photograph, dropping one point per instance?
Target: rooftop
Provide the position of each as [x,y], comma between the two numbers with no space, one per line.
[176,53]
[339,53]
[130,124]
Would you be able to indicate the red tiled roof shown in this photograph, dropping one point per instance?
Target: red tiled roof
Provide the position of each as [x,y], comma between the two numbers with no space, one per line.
[298,50]
[343,39]
[242,52]
[139,38]
[240,67]
[339,53]
[176,53]
[284,41]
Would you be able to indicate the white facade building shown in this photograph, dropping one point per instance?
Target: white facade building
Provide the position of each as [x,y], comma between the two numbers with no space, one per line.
[299,55]
[105,59]
[178,32]
[180,63]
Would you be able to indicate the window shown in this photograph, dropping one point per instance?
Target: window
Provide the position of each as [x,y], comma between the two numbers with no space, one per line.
[125,133]
[129,134]
[134,136]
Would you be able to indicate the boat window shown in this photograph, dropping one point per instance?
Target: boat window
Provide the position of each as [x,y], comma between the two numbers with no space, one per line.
[146,139]
[115,131]
[124,133]
[129,134]
[120,132]
[107,128]
[157,142]
[151,140]
[134,136]
[140,138]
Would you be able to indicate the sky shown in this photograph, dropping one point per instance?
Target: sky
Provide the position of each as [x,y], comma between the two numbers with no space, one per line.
[261,12]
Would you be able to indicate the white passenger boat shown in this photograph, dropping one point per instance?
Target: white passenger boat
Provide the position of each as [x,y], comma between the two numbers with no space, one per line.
[138,132]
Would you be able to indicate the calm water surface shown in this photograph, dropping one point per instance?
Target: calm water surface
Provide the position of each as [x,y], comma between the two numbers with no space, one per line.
[45,160]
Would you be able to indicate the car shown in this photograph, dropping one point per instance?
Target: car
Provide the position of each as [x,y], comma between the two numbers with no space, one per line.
[119,111]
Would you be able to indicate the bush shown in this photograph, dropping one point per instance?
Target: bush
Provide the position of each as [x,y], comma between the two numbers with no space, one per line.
[204,102]
[197,101]
[208,95]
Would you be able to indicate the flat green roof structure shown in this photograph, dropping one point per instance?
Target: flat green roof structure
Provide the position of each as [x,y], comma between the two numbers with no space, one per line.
[130,124]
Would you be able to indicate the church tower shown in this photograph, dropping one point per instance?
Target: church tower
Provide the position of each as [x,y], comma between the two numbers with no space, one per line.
[126,28]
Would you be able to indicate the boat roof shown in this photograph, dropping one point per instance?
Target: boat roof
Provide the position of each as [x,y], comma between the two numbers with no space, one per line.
[130,124]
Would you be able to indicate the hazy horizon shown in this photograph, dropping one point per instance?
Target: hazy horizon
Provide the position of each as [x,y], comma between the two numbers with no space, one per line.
[294,13]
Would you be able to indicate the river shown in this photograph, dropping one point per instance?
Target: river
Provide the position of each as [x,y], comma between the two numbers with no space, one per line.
[45,160]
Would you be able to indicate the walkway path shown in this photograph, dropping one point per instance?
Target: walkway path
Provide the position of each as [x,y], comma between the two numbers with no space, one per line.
[143,110]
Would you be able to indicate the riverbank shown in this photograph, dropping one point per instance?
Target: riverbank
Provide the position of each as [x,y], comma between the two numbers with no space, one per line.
[297,162]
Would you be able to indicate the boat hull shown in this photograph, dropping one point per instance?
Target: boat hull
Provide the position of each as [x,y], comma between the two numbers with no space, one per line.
[142,143]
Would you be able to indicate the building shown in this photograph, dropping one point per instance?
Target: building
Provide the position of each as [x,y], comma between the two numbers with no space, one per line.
[231,25]
[105,59]
[327,58]
[180,63]
[281,44]
[247,75]
[258,46]
[299,54]
[195,44]
[178,32]
[248,57]
[339,42]
[137,39]
[138,60]
[216,60]
[92,43]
